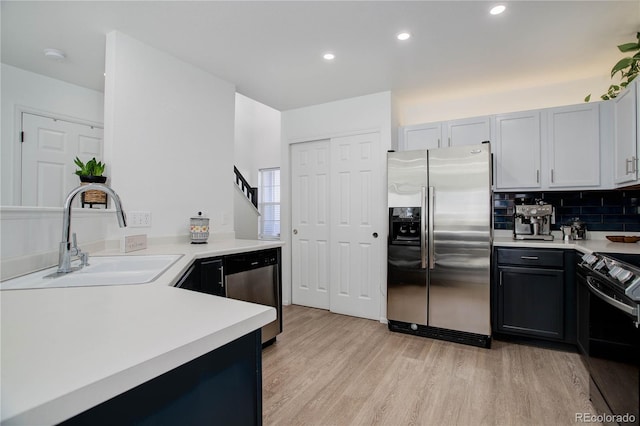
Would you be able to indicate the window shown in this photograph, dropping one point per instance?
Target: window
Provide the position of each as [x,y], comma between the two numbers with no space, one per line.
[269,203]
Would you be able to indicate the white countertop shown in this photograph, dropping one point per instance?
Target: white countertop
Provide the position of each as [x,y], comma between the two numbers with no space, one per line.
[65,350]
[583,246]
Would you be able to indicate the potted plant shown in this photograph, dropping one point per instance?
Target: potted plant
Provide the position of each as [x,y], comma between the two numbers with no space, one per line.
[91,172]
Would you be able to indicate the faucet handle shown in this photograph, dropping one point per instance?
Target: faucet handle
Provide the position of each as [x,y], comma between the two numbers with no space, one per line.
[75,240]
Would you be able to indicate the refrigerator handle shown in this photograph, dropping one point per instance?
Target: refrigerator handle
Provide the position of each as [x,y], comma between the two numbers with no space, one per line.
[423,229]
[432,253]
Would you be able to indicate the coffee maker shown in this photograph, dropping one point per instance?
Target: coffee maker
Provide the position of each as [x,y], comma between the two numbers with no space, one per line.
[532,221]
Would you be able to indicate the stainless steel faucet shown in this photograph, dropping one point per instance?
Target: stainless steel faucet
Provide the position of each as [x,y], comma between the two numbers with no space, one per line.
[68,249]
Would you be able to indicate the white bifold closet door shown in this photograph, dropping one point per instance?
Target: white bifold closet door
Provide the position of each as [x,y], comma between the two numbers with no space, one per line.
[337,226]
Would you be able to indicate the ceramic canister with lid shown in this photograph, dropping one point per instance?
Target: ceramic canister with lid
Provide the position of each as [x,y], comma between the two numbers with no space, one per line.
[199,228]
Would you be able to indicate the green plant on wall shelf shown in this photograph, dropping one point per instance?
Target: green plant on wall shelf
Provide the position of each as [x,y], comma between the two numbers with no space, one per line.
[628,68]
[92,168]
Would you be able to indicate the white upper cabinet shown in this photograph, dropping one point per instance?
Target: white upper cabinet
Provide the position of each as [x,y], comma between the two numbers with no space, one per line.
[573,141]
[625,156]
[421,136]
[544,149]
[468,131]
[517,150]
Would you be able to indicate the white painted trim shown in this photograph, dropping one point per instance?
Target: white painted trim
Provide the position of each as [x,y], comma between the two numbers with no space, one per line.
[330,136]
[247,199]
[57,116]
[20,213]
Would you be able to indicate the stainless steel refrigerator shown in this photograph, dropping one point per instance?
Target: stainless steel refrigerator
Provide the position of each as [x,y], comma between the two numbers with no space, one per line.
[439,244]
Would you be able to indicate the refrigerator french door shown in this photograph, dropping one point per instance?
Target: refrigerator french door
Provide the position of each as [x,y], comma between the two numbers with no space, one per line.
[439,245]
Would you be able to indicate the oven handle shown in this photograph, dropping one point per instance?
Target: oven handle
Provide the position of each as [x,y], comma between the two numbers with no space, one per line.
[610,300]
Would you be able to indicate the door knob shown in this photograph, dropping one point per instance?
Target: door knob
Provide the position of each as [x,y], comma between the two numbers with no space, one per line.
[295,232]
[375,235]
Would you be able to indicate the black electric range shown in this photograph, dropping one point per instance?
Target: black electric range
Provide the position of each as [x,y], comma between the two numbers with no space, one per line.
[609,334]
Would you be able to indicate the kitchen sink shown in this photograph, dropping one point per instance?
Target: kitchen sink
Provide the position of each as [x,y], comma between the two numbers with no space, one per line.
[101,271]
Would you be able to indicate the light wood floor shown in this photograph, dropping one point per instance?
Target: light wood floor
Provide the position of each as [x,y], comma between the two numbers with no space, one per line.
[329,369]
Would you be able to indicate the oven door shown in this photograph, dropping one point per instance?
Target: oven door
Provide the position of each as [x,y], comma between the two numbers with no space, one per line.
[610,341]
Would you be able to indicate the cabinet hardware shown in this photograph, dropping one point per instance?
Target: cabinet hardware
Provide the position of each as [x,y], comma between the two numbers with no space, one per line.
[634,161]
[423,225]
[538,176]
[529,257]
[628,161]
[375,235]
[500,281]
[295,232]
[432,208]
[551,175]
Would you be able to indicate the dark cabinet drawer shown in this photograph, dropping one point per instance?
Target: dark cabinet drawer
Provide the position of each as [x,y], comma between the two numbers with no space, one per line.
[531,257]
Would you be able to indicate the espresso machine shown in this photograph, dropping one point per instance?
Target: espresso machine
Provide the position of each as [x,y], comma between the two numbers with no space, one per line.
[532,221]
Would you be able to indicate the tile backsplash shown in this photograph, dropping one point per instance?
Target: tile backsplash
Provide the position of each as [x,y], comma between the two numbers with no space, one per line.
[600,210]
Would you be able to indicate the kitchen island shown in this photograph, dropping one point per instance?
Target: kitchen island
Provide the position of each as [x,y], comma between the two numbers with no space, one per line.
[66,350]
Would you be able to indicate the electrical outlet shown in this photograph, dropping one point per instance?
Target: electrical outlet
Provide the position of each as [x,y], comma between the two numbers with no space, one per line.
[133,243]
[139,219]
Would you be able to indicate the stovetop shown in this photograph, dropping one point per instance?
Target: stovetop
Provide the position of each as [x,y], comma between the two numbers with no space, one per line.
[622,271]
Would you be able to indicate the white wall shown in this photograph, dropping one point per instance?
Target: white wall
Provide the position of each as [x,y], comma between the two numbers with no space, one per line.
[37,93]
[31,236]
[455,104]
[349,116]
[257,137]
[245,216]
[168,137]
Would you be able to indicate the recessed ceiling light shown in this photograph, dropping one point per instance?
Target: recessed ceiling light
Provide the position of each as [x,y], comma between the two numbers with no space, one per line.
[329,56]
[497,10]
[403,36]
[55,54]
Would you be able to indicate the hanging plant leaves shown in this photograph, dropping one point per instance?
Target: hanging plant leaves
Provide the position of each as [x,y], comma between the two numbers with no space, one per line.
[621,65]
[628,47]
[628,68]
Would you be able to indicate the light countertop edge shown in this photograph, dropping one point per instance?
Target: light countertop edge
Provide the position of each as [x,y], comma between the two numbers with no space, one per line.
[54,366]
[583,246]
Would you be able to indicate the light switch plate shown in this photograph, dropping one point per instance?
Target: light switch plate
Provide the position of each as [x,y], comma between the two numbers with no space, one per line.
[133,242]
[139,219]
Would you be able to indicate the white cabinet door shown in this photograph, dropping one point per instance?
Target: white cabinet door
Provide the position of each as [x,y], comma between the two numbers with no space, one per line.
[421,136]
[625,137]
[310,215]
[517,150]
[469,131]
[573,141]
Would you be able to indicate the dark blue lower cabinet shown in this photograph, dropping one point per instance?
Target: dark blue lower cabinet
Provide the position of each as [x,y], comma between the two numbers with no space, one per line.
[222,387]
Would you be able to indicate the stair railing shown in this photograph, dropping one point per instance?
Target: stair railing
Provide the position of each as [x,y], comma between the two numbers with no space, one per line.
[249,191]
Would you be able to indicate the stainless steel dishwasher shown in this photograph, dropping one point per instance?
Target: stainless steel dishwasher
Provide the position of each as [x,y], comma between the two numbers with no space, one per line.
[255,277]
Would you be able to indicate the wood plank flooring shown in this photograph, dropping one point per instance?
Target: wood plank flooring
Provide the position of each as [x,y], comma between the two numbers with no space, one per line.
[329,369]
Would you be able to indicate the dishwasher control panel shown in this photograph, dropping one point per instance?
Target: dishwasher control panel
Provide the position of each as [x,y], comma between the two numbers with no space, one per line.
[249,260]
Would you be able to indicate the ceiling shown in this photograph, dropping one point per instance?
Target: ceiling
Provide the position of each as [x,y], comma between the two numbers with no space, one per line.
[272,51]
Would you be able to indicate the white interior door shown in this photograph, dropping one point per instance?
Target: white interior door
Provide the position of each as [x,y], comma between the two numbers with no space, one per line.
[48,149]
[310,222]
[356,231]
